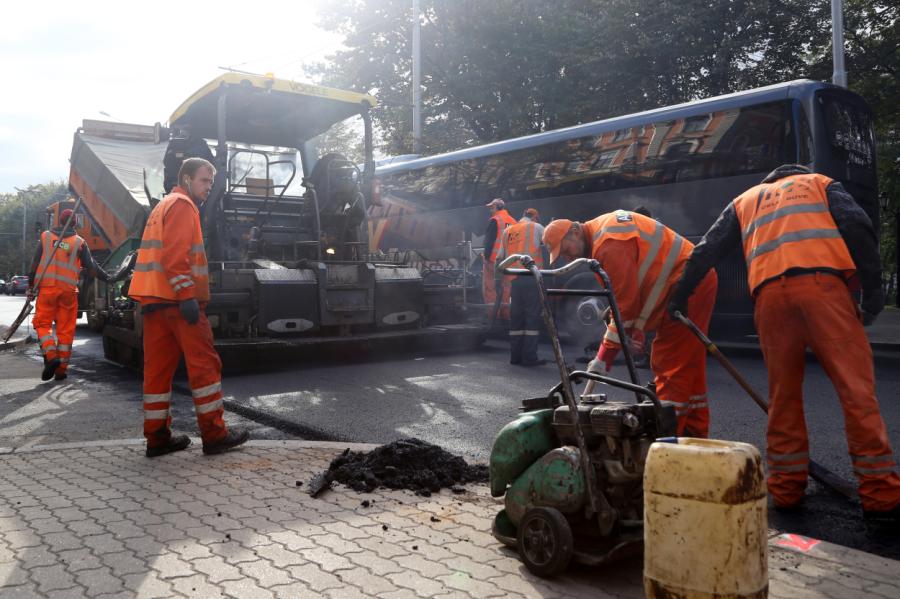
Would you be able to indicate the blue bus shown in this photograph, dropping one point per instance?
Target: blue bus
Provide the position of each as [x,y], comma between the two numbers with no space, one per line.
[684,163]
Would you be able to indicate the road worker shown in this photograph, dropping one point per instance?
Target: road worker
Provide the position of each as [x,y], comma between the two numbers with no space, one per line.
[493,235]
[644,259]
[804,238]
[524,237]
[171,282]
[57,292]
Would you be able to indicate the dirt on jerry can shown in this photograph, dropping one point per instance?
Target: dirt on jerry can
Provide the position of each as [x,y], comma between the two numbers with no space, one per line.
[705,522]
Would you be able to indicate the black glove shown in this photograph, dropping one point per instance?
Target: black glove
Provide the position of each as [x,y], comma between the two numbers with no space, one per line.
[677,305]
[190,310]
[872,304]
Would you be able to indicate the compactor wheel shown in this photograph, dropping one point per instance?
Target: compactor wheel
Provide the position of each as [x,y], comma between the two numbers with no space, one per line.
[545,541]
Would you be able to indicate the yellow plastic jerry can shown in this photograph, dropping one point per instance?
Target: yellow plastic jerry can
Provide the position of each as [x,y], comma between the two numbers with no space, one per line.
[705,527]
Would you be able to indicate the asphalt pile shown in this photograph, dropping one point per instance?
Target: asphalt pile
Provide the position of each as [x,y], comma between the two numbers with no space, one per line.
[405,464]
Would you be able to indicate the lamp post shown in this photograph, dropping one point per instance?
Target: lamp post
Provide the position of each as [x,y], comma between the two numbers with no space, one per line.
[839,76]
[22,193]
[416,80]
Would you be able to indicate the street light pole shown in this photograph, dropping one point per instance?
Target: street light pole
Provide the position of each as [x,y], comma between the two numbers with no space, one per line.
[416,80]
[22,193]
[839,76]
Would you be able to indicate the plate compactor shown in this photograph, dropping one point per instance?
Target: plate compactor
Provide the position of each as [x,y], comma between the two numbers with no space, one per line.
[572,470]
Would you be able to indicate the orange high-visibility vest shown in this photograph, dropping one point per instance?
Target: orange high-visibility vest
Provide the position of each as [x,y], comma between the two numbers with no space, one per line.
[151,282]
[503,219]
[786,224]
[523,238]
[662,254]
[63,270]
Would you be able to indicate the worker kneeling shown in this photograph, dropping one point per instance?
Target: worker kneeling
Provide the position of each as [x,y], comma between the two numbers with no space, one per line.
[58,260]
[644,259]
[171,282]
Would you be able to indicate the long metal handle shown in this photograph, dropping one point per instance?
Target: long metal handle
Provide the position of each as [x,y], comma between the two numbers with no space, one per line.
[816,470]
[565,269]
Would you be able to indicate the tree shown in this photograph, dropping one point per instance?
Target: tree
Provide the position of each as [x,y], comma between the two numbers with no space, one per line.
[35,199]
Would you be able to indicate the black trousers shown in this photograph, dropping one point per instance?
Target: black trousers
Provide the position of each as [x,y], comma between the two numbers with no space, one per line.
[524,321]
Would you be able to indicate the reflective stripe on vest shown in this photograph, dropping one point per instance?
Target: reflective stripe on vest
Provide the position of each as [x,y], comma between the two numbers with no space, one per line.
[503,219]
[661,256]
[62,271]
[150,280]
[787,224]
[523,238]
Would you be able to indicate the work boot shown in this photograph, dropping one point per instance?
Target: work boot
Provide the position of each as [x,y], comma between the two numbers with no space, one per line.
[49,368]
[176,443]
[234,438]
[60,376]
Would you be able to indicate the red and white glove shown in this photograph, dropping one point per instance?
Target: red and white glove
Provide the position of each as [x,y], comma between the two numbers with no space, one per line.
[607,355]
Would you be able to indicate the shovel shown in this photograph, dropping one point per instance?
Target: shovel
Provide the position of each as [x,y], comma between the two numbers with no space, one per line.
[816,471]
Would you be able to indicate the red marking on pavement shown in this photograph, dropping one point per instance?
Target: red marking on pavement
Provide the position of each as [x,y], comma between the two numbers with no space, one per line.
[797,542]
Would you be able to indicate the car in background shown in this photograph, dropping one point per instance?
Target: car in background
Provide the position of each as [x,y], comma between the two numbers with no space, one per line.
[17,284]
[2,286]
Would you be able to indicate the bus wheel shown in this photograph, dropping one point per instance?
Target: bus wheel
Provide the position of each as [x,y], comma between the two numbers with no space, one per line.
[580,318]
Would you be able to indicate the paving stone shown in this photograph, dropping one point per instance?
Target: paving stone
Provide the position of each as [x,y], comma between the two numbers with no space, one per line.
[25,591]
[366,580]
[884,590]
[99,581]
[147,585]
[246,589]
[264,572]
[314,577]
[76,560]
[424,587]
[101,544]
[124,562]
[12,574]
[196,586]
[337,544]
[48,578]
[47,525]
[216,569]
[171,566]
[84,528]
[280,556]
[347,593]
[473,587]
[71,593]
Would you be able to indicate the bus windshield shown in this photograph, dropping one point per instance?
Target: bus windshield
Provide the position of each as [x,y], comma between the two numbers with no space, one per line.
[850,131]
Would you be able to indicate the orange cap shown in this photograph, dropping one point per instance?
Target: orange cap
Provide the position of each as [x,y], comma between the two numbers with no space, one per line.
[553,236]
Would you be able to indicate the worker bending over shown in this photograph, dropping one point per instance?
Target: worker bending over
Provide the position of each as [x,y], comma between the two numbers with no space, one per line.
[644,259]
[524,237]
[804,238]
[57,293]
[171,282]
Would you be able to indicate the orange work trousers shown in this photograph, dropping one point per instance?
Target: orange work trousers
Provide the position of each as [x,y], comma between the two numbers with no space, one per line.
[168,336]
[60,306]
[817,311]
[678,361]
[489,291]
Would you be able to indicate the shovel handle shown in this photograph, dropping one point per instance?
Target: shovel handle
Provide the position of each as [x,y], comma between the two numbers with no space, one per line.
[816,470]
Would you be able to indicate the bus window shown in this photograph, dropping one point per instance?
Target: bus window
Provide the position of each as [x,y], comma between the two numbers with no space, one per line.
[806,154]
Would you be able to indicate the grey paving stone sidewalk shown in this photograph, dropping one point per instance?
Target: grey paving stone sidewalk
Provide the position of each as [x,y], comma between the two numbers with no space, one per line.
[101,520]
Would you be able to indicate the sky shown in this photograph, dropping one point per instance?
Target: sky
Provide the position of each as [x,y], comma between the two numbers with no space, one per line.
[136,61]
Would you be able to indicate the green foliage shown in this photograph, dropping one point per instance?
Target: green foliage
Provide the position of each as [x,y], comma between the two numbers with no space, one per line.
[499,69]
[35,200]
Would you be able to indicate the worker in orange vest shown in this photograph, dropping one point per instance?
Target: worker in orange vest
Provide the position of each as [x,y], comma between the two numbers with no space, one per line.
[644,259]
[493,235]
[57,293]
[524,237]
[171,282]
[803,238]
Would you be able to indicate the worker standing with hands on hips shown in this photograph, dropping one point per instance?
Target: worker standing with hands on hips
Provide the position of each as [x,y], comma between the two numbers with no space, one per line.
[57,300]
[524,237]
[804,237]
[644,259]
[171,282]
[490,279]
